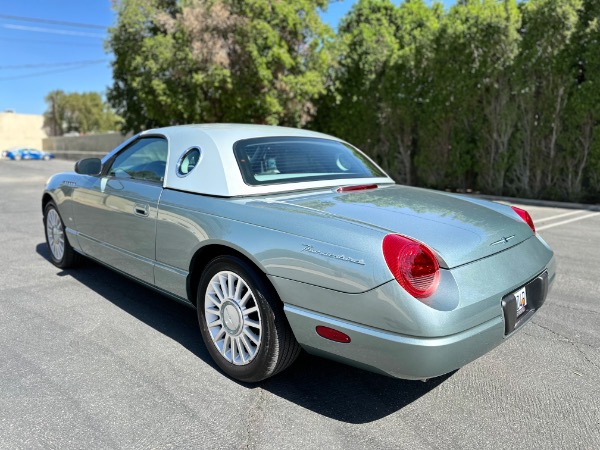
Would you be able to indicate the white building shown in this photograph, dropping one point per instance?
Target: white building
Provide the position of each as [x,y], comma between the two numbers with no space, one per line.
[22,130]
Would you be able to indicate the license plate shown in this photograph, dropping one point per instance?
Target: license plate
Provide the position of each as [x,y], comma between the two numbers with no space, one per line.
[521,298]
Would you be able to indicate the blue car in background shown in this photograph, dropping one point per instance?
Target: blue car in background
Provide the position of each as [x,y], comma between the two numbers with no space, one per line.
[18,153]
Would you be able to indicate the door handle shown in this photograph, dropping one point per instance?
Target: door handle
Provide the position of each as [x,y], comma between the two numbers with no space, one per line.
[140,209]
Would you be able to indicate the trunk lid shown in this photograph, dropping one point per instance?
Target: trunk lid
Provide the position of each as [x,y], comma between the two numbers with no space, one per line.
[460,229]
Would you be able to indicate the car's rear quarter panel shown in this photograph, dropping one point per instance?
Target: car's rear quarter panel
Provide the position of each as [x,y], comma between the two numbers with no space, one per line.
[187,222]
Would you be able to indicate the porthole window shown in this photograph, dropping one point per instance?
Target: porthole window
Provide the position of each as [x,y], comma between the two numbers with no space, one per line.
[187,162]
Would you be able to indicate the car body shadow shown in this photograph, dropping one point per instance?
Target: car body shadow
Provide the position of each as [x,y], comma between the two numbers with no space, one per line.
[328,388]
[346,393]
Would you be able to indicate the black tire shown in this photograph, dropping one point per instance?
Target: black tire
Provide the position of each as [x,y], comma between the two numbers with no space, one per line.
[69,257]
[277,347]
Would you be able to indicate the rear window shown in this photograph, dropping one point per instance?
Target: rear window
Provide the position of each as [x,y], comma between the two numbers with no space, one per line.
[275,160]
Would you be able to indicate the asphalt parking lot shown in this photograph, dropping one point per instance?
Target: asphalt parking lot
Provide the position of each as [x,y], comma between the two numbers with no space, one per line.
[90,359]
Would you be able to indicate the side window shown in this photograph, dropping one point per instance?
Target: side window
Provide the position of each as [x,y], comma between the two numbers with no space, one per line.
[188,161]
[145,159]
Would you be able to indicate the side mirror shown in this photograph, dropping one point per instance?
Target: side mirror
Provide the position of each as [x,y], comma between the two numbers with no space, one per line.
[88,166]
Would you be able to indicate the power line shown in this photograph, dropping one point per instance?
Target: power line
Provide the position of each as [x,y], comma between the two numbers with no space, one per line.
[53,22]
[69,63]
[48,42]
[47,72]
[52,31]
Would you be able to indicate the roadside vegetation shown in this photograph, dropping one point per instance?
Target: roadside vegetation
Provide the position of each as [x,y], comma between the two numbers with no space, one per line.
[78,113]
[498,96]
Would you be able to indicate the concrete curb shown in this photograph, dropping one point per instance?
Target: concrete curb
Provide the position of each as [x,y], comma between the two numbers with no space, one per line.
[535,202]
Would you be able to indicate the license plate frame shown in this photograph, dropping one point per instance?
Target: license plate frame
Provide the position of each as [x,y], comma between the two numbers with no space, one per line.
[519,304]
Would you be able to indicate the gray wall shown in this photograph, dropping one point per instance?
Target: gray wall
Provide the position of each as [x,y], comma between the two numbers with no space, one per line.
[78,147]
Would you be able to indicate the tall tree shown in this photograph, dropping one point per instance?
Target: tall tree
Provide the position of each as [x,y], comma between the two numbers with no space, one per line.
[406,87]
[218,60]
[448,131]
[472,110]
[55,114]
[580,142]
[544,76]
[366,48]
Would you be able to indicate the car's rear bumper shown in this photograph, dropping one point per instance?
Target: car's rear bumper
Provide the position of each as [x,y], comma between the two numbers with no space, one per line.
[473,311]
[394,354]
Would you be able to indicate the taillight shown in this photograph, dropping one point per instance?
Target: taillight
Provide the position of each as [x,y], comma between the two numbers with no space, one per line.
[525,216]
[413,265]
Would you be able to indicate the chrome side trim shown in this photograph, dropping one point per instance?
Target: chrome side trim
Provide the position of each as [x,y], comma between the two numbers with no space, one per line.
[168,268]
[118,250]
[164,292]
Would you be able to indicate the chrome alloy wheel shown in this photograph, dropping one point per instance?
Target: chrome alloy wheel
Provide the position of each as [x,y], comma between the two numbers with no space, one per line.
[56,234]
[233,318]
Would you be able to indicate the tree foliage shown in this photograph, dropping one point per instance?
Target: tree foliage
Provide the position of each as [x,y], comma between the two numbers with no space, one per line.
[81,113]
[500,96]
[257,61]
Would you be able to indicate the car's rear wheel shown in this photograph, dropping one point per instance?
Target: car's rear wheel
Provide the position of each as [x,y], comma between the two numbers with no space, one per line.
[61,252]
[242,321]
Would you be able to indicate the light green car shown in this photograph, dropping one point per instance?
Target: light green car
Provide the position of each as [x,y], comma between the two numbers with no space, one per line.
[286,239]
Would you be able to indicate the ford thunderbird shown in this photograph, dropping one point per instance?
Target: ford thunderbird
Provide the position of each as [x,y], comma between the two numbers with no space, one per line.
[286,239]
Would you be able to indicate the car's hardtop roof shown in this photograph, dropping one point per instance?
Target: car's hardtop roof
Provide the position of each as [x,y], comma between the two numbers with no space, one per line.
[217,172]
[235,131]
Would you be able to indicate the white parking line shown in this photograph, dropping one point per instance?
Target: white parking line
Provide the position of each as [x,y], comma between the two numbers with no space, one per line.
[546,219]
[567,221]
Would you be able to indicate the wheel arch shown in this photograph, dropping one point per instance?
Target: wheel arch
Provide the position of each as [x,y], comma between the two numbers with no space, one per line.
[205,255]
[46,198]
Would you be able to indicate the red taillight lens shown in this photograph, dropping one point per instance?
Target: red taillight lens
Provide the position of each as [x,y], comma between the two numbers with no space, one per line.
[413,265]
[525,216]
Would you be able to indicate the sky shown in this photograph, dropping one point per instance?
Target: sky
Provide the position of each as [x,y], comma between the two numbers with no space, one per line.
[59,44]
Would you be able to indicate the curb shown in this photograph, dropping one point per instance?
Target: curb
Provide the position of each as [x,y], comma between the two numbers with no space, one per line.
[535,202]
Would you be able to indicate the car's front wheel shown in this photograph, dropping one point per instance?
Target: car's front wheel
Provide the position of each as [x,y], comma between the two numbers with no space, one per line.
[61,252]
[242,321]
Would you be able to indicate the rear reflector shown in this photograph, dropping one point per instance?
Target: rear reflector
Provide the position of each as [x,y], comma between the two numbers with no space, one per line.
[360,187]
[332,335]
